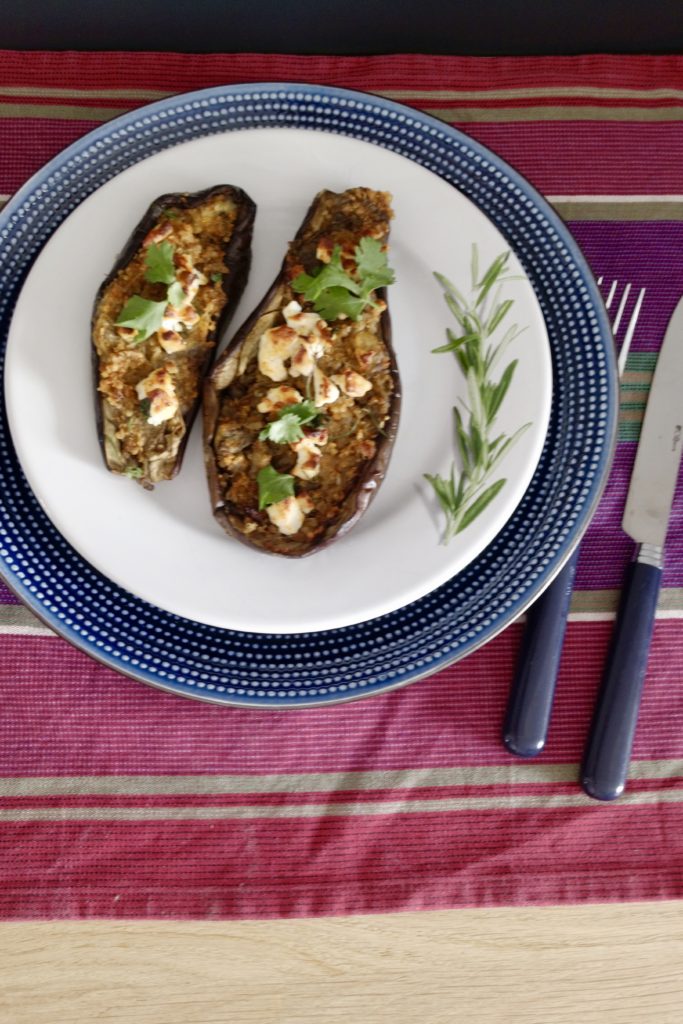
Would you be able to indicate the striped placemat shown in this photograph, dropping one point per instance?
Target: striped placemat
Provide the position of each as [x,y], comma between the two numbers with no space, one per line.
[118,800]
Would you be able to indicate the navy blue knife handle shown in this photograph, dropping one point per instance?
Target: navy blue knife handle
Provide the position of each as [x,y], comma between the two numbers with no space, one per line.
[608,752]
[533,687]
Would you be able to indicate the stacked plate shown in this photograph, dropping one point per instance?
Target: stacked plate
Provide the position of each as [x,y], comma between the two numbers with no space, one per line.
[148,583]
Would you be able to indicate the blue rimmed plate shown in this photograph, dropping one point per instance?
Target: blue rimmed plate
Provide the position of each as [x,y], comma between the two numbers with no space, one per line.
[230,666]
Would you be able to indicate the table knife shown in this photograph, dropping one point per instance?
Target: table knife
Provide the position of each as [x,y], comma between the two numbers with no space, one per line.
[646,517]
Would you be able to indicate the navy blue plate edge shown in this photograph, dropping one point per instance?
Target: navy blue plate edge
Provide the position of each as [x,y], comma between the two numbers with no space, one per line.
[601,475]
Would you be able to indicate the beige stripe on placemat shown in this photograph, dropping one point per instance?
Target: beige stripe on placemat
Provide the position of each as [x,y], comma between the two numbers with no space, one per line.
[550,801]
[599,605]
[505,115]
[533,92]
[530,92]
[580,208]
[457,114]
[60,111]
[39,91]
[318,782]
[17,620]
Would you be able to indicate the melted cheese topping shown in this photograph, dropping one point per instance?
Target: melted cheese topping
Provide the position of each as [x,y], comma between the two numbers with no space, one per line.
[352,384]
[159,390]
[308,454]
[275,346]
[303,323]
[288,514]
[278,398]
[324,391]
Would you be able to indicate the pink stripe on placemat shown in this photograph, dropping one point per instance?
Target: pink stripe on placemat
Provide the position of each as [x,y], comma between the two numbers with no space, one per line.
[101,722]
[117,800]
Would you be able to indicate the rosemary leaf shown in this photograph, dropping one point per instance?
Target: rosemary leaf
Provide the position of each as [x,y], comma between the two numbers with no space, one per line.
[507,445]
[501,389]
[499,314]
[478,506]
[491,276]
[463,442]
[465,494]
[450,288]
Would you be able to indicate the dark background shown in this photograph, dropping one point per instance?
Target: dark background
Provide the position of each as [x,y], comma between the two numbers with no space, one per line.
[476,27]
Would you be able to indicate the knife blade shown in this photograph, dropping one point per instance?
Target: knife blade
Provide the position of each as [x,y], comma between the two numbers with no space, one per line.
[646,517]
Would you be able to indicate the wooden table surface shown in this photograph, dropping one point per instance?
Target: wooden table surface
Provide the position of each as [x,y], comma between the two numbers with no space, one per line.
[608,964]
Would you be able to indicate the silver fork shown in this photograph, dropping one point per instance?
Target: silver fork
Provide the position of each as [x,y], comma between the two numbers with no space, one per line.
[533,688]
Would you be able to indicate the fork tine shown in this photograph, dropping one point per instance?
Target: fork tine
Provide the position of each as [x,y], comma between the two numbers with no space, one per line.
[616,324]
[630,330]
[620,311]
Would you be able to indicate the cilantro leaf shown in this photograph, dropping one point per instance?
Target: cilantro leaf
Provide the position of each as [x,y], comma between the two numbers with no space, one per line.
[287,427]
[159,263]
[336,303]
[143,315]
[283,430]
[331,275]
[373,268]
[273,486]
[334,293]
[176,295]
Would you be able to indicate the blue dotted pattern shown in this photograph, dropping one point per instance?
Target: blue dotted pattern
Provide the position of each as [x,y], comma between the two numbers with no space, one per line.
[316,668]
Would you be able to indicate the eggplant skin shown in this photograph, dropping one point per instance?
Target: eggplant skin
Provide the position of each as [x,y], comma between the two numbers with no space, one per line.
[360,429]
[211,233]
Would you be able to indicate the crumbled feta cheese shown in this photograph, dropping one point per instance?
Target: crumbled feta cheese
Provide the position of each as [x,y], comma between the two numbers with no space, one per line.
[158,234]
[303,360]
[157,387]
[191,280]
[303,323]
[288,515]
[324,391]
[278,398]
[308,454]
[170,341]
[351,383]
[275,346]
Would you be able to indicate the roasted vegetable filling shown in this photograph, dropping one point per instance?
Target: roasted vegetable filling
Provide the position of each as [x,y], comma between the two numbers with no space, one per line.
[154,333]
[304,416]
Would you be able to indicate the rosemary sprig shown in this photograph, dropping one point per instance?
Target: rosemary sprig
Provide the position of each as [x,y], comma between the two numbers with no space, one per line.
[465,494]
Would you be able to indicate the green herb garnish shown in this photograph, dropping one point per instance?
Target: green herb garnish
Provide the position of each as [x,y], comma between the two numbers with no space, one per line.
[134,472]
[217,278]
[159,266]
[287,427]
[334,293]
[464,495]
[143,315]
[273,486]
[176,295]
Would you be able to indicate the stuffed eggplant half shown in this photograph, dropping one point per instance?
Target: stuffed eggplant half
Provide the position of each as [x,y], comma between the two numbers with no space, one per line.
[156,322]
[301,411]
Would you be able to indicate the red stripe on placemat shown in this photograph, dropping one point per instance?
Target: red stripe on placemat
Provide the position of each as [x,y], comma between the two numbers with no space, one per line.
[178,72]
[306,867]
[557,157]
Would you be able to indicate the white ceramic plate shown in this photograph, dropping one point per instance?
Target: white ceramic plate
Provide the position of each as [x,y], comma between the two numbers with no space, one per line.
[165,546]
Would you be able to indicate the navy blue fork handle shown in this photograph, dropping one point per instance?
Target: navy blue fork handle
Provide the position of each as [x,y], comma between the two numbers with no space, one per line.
[533,687]
[608,752]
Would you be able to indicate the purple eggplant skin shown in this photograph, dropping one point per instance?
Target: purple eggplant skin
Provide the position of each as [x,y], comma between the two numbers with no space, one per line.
[234,364]
[162,451]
